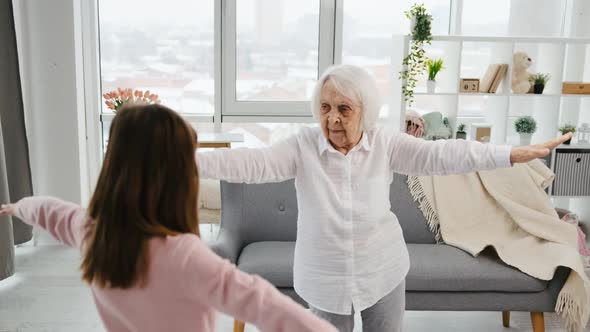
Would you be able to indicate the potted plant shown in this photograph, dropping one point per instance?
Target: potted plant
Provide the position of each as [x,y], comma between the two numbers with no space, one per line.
[461,134]
[526,127]
[117,98]
[414,63]
[567,128]
[538,82]
[434,67]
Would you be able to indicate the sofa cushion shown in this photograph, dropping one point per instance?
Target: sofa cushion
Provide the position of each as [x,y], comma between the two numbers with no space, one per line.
[271,260]
[433,268]
[449,269]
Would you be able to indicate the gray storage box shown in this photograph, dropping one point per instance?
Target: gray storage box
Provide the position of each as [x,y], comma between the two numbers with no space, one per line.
[572,172]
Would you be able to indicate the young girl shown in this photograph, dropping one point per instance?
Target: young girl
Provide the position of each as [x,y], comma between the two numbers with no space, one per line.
[139,238]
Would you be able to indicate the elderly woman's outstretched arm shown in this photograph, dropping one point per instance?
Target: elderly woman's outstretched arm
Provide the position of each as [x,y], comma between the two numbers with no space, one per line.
[414,156]
[271,164]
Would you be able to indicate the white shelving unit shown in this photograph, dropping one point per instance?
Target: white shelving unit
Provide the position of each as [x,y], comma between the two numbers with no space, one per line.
[565,59]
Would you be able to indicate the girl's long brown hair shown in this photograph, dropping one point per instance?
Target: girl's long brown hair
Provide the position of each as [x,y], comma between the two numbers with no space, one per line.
[148,187]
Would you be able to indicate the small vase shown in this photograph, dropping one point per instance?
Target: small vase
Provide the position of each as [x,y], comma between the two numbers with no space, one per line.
[525,139]
[461,135]
[568,142]
[430,86]
[538,88]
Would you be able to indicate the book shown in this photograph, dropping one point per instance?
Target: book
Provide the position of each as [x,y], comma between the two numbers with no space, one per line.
[488,78]
[499,77]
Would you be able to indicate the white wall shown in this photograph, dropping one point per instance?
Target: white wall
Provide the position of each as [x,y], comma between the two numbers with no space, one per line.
[51,93]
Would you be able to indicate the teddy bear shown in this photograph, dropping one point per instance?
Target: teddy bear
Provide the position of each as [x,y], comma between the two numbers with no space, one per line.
[520,76]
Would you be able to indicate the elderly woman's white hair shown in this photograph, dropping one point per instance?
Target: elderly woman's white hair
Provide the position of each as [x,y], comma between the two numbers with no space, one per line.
[355,83]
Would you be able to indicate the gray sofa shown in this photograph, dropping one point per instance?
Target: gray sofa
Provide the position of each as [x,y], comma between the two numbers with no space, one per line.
[258,230]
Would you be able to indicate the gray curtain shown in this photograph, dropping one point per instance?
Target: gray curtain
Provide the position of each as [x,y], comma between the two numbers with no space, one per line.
[15,171]
[12,117]
[6,238]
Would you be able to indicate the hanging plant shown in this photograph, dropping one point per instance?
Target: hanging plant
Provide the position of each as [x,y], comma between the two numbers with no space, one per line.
[414,63]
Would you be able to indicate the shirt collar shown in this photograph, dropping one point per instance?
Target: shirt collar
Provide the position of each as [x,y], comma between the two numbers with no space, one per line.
[324,144]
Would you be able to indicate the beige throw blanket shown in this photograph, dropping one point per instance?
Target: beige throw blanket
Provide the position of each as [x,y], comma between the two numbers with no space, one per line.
[509,210]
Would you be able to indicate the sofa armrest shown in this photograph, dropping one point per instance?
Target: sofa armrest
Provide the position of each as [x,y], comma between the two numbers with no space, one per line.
[227,245]
[559,278]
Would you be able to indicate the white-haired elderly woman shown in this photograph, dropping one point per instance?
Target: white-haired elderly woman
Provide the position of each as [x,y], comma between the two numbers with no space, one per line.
[350,253]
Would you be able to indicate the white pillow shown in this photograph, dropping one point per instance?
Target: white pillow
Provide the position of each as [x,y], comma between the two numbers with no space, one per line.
[209,195]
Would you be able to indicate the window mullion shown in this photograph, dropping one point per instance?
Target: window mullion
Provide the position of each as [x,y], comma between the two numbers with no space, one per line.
[456,17]
[228,57]
[338,31]
[218,61]
[327,51]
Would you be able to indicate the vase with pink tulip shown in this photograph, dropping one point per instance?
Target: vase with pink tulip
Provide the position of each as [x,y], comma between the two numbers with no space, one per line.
[120,97]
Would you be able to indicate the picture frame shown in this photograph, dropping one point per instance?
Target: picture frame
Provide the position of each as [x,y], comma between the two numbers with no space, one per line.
[481,132]
[469,85]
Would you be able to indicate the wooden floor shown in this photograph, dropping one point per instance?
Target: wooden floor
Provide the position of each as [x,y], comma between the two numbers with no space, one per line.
[46,295]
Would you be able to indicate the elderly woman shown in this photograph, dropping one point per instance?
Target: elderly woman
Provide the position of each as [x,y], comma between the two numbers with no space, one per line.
[350,253]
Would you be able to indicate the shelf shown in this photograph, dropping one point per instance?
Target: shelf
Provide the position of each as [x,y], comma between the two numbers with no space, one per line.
[573,146]
[532,95]
[435,94]
[516,39]
[571,95]
[484,94]
[527,95]
[475,94]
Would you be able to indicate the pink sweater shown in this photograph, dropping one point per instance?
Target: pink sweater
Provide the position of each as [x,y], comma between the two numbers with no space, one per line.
[186,284]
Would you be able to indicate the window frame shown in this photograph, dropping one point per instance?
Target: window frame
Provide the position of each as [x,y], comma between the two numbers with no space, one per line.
[230,106]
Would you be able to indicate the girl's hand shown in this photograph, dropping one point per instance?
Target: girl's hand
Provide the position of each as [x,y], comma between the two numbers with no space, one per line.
[7,210]
[523,154]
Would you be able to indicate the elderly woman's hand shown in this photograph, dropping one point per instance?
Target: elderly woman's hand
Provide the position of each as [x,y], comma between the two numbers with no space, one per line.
[523,154]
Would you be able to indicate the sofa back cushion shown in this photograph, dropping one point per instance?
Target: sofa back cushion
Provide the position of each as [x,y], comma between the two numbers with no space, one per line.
[260,212]
[410,218]
[268,212]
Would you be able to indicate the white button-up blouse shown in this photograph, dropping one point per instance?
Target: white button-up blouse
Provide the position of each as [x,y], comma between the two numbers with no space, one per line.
[350,251]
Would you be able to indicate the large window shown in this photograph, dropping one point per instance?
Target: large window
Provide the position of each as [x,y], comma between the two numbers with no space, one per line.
[165,47]
[230,58]
[276,49]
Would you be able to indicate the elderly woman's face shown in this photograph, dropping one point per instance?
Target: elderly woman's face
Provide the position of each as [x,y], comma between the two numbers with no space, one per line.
[340,118]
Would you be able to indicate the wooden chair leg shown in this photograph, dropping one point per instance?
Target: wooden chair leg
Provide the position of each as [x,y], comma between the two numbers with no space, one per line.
[506,318]
[538,321]
[239,326]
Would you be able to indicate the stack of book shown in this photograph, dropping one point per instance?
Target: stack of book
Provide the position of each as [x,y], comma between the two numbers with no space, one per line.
[493,77]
